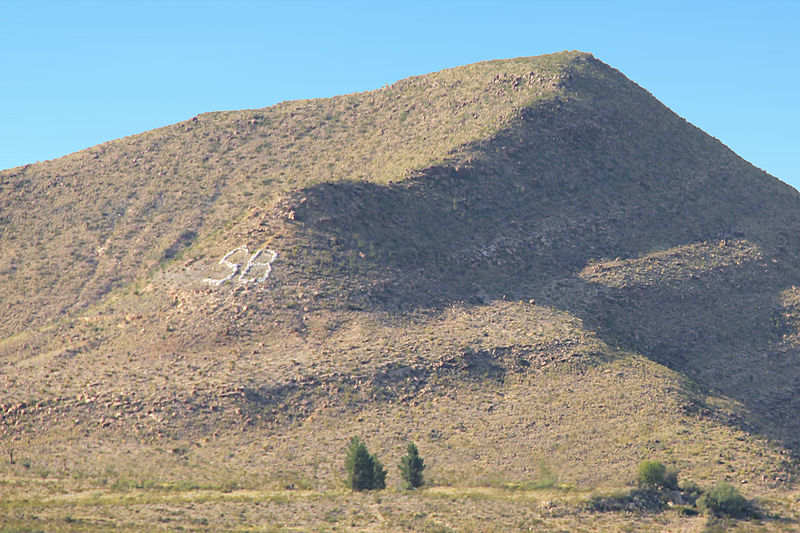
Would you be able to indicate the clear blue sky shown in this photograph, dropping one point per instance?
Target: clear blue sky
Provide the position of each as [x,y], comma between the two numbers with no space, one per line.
[76,73]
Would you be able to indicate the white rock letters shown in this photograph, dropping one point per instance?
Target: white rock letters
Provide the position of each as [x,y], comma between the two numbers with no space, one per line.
[236,268]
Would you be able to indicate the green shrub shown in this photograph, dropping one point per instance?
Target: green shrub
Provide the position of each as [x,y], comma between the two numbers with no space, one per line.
[364,471]
[651,474]
[691,491]
[411,467]
[686,511]
[670,479]
[723,499]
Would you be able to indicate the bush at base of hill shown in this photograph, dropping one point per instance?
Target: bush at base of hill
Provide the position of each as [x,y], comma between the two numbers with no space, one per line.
[724,499]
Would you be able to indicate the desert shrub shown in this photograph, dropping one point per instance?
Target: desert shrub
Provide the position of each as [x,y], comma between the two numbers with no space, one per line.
[691,491]
[411,467]
[637,500]
[651,474]
[364,471]
[670,479]
[724,499]
[683,510]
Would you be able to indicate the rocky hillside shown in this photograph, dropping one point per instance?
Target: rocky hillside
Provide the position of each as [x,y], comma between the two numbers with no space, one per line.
[520,264]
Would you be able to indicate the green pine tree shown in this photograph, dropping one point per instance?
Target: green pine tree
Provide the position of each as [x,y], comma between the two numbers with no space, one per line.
[411,467]
[378,474]
[364,471]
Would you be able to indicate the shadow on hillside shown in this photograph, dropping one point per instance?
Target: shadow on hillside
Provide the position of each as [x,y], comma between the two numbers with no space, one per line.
[570,184]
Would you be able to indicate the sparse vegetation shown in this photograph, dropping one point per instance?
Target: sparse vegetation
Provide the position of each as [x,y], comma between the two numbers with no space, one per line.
[456,265]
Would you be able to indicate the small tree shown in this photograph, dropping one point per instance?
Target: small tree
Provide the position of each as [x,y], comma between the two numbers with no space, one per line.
[364,471]
[411,466]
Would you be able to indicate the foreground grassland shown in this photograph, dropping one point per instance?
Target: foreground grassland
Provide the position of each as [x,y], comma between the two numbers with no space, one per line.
[66,506]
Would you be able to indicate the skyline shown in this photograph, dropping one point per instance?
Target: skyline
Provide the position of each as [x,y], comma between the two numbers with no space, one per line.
[82,73]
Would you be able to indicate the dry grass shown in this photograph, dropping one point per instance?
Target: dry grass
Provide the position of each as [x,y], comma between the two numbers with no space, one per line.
[432,509]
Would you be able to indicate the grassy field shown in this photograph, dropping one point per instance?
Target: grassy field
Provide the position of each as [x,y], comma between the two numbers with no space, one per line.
[65,507]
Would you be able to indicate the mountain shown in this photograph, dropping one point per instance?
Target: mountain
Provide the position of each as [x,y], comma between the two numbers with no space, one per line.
[530,267]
